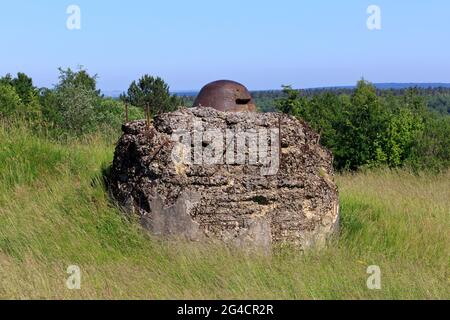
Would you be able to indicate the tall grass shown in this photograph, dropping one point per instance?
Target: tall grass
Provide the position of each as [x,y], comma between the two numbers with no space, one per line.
[54,212]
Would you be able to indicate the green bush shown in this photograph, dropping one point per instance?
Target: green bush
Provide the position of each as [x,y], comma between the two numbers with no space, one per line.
[9,101]
[361,127]
[368,130]
[111,112]
[152,92]
[12,106]
[431,148]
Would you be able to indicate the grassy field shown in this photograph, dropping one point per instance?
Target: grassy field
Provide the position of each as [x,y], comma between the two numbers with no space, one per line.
[54,212]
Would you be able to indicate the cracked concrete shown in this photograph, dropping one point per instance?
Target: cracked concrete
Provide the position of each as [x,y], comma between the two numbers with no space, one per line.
[234,203]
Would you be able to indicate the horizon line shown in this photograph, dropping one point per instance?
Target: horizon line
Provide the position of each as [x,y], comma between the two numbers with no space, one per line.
[401,84]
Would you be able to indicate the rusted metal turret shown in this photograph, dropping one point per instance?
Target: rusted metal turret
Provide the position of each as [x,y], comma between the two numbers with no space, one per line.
[225,95]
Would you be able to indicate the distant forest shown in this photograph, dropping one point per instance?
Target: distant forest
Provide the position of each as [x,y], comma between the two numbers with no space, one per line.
[437,98]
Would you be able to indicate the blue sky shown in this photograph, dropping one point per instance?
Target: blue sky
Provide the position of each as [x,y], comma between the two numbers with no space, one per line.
[262,44]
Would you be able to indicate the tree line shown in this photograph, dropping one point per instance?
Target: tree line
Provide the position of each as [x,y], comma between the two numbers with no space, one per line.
[362,127]
[75,107]
[365,129]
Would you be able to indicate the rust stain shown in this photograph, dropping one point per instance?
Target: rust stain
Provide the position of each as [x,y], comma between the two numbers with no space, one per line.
[225,95]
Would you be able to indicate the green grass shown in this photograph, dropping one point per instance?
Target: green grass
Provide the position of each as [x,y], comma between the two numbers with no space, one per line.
[54,212]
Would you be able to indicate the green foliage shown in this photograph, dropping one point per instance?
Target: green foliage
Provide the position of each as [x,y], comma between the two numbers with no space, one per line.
[265,99]
[19,98]
[12,106]
[50,110]
[361,129]
[10,102]
[364,127]
[71,106]
[111,113]
[293,103]
[437,99]
[24,88]
[404,126]
[367,130]
[76,106]
[79,79]
[439,102]
[32,108]
[153,93]
[431,149]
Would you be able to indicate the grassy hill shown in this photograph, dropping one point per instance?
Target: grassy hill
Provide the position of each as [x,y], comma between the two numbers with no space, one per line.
[54,212]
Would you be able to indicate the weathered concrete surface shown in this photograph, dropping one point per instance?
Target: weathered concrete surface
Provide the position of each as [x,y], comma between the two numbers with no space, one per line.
[234,203]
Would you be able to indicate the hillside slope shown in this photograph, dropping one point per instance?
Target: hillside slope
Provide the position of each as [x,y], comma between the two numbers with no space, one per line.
[54,212]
